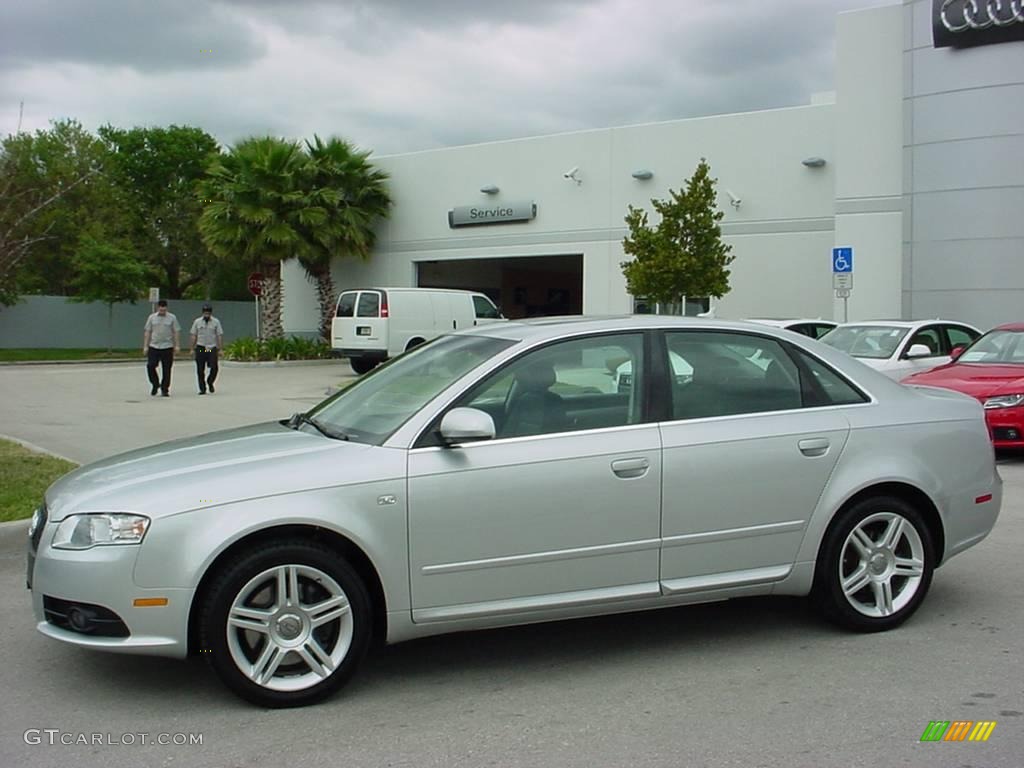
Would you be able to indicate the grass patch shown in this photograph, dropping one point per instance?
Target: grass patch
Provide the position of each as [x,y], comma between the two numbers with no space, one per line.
[24,475]
[22,355]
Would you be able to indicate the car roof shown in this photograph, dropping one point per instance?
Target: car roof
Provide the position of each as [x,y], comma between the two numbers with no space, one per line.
[542,328]
[783,322]
[1010,327]
[900,323]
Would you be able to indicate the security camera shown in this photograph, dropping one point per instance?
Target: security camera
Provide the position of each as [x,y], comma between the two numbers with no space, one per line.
[734,199]
[571,174]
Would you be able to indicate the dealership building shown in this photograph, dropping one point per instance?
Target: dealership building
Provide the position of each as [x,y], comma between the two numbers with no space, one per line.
[915,162]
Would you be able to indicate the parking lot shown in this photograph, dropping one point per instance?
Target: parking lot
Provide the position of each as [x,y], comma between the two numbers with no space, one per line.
[759,682]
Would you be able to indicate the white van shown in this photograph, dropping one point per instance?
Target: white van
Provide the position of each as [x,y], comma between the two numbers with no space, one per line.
[372,325]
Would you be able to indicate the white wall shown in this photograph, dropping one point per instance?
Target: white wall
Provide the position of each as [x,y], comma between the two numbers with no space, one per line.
[869,158]
[782,233]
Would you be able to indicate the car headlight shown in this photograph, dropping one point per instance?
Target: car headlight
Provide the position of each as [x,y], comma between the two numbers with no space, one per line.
[1004,401]
[92,530]
[37,519]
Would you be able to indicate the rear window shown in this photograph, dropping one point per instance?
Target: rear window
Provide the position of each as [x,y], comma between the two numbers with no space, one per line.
[369,304]
[346,304]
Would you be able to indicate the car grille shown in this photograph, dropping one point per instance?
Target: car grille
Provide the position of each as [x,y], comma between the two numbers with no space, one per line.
[83,618]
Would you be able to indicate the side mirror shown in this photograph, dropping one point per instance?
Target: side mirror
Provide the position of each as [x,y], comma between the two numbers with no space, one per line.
[957,351]
[918,350]
[466,425]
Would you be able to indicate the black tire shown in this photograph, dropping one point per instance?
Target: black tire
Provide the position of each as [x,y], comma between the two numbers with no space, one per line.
[413,343]
[866,564]
[361,365]
[335,647]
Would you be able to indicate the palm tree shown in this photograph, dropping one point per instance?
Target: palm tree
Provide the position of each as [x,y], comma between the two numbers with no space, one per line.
[257,210]
[355,196]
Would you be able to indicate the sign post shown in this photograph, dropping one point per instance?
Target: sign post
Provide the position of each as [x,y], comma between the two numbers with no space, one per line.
[154,297]
[842,277]
[255,283]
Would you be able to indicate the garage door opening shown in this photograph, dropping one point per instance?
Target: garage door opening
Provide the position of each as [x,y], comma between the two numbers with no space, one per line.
[521,286]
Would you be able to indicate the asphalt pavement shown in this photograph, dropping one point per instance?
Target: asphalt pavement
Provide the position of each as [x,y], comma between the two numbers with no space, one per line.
[756,682]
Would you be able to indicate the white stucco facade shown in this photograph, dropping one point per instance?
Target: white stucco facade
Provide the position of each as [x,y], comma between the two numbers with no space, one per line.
[782,233]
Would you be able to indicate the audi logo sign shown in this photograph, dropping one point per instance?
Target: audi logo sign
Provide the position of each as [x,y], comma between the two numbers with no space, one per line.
[965,23]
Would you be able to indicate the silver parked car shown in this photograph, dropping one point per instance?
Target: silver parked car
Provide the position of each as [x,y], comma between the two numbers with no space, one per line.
[502,475]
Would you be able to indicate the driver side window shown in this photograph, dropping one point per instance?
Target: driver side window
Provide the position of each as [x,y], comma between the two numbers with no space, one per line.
[581,384]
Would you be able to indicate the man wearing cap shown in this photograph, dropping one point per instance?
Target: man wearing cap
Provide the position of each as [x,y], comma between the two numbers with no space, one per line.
[207,339]
[159,341]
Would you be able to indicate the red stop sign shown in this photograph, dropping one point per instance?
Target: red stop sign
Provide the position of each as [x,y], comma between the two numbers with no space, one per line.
[256,283]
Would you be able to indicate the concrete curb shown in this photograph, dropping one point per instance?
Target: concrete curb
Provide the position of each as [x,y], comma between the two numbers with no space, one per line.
[37,449]
[121,360]
[262,363]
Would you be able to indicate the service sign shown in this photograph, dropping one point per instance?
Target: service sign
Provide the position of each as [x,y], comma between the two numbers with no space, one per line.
[965,23]
[491,213]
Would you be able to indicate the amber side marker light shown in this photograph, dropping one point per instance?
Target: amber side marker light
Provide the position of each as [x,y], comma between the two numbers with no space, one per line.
[147,602]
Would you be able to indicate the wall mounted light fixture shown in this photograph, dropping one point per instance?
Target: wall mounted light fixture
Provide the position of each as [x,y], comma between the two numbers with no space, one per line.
[813,162]
[643,174]
[489,189]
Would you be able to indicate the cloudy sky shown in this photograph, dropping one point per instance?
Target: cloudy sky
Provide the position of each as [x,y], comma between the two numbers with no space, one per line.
[405,75]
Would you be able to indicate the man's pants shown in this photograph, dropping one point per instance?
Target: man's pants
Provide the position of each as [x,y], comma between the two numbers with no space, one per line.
[165,357]
[206,356]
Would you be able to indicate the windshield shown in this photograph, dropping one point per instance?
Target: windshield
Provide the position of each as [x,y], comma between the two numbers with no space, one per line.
[372,408]
[876,341]
[1002,347]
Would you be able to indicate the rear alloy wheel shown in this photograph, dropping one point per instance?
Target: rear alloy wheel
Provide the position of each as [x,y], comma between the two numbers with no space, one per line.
[876,565]
[287,624]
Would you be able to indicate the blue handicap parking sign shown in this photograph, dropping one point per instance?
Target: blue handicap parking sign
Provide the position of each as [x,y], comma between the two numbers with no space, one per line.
[842,259]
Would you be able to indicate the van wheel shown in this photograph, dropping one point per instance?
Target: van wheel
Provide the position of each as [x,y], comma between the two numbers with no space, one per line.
[361,365]
[875,565]
[413,343]
[286,624]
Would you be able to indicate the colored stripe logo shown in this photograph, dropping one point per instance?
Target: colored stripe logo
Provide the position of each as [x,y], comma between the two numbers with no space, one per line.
[958,730]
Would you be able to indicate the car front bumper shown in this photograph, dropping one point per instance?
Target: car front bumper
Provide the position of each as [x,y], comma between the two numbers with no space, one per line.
[1006,426]
[99,583]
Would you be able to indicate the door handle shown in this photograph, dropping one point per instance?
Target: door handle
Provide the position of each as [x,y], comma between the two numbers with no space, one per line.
[814,446]
[630,467]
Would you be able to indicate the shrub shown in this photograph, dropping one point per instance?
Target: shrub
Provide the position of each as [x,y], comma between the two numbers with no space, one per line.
[293,348]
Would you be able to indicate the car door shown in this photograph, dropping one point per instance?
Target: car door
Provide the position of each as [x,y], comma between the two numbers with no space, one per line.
[930,336]
[561,509]
[745,460]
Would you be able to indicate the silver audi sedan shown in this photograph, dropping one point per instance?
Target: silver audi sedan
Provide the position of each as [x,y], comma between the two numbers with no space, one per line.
[510,474]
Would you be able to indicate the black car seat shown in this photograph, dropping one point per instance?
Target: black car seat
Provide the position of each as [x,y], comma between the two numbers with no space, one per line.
[535,409]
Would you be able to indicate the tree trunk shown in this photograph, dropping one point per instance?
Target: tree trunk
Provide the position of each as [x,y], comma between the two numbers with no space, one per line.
[270,305]
[325,296]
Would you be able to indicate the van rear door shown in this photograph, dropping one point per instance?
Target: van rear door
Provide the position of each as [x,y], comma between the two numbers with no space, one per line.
[359,324]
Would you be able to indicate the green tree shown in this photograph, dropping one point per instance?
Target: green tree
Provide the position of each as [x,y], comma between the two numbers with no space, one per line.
[256,210]
[161,167]
[683,255]
[353,195]
[107,272]
[54,185]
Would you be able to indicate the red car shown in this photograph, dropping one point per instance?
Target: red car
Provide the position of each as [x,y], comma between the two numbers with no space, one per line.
[992,370]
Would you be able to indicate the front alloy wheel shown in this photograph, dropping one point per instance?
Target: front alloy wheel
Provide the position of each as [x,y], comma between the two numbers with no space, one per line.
[286,625]
[876,565]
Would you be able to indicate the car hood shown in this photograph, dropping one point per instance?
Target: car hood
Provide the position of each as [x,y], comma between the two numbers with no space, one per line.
[209,470]
[978,381]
